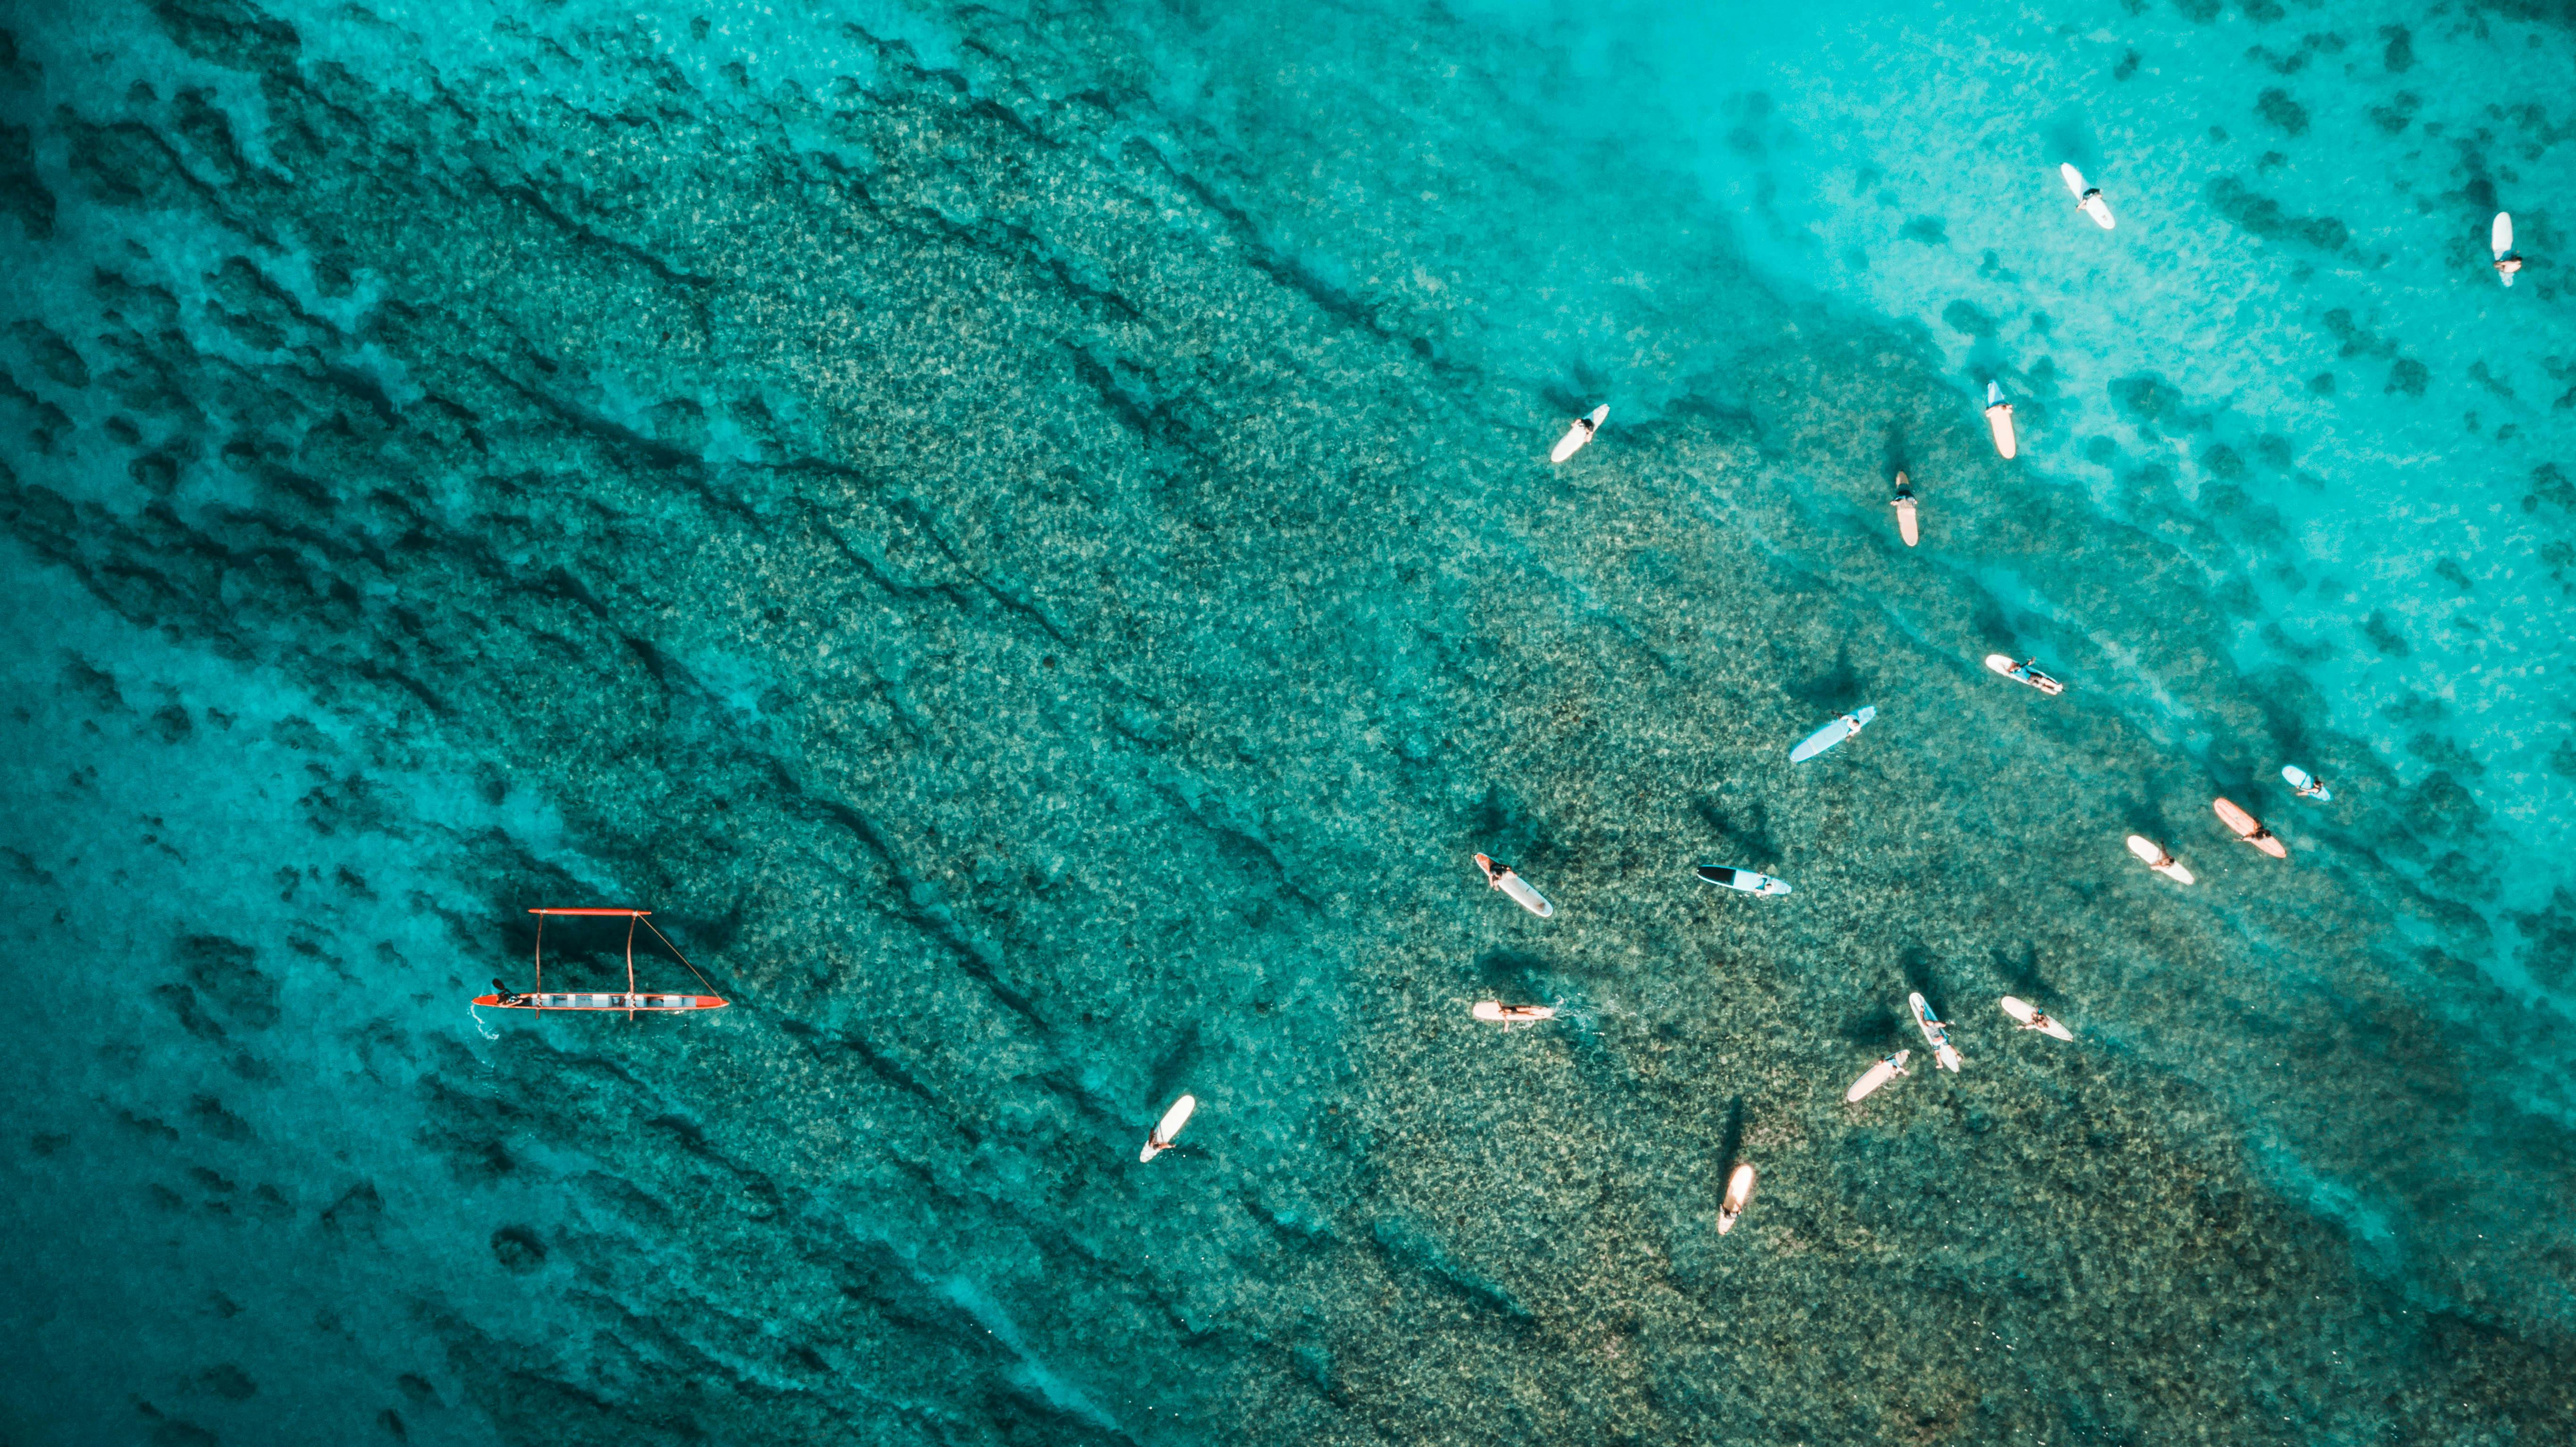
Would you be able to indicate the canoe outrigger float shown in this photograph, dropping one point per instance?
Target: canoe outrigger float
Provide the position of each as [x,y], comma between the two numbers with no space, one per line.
[633,1000]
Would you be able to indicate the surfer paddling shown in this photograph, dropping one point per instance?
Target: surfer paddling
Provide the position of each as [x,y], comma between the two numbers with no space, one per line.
[2500,241]
[1501,877]
[2025,672]
[1577,433]
[1885,1070]
[1935,1033]
[1739,1194]
[2153,855]
[1495,1012]
[1832,733]
[2088,199]
[2030,1017]
[2250,829]
[1168,1127]
[1999,420]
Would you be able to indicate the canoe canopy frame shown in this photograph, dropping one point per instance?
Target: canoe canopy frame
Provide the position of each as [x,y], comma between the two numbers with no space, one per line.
[633,917]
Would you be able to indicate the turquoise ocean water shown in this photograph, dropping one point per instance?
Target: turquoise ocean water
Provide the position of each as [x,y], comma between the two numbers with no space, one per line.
[1023,533]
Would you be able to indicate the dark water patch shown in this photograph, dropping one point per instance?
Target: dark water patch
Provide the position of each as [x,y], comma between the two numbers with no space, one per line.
[1969,319]
[1409,1248]
[1295,1227]
[2549,939]
[226,1380]
[2264,217]
[1872,1027]
[1172,1067]
[209,1116]
[166,1431]
[2019,969]
[1730,1140]
[224,974]
[2444,754]
[2154,403]
[2550,484]
[23,194]
[2383,635]
[2397,55]
[2397,113]
[2276,107]
[358,1211]
[518,1250]
[1835,687]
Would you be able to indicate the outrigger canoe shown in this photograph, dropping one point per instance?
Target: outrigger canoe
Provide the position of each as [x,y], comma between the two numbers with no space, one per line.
[631,1000]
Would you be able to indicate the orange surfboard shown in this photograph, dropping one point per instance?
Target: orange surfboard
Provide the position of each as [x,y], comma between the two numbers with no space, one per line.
[2250,829]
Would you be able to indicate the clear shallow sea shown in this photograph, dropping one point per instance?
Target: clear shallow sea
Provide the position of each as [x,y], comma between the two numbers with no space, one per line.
[1024,534]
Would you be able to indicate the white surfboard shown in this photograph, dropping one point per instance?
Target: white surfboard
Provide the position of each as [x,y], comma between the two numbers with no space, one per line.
[2024,673]
[2029,1017]
[1526,897]
[1579,434]
[2306,784]
[1504,878]
[2157,859]
[1934,1033]
[1743,879]
[1170,1126]
[1495,1012]
[2093,206]
[1739,1194]
[1903,502]
[2500,241]
[1878,1075]
[1833,733]
[1999,418]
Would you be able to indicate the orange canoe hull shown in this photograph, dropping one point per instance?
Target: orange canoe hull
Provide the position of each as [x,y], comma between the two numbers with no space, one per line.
[641,1000]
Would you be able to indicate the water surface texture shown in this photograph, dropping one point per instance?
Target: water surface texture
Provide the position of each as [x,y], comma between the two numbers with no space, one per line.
[1023,533]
